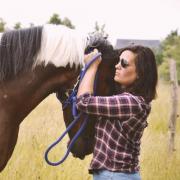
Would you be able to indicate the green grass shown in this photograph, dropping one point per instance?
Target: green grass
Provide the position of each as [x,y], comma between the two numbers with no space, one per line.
[156,162]
[45,124]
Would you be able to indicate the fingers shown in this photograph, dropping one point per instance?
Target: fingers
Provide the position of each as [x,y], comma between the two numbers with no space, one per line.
[89,56]
[95,51]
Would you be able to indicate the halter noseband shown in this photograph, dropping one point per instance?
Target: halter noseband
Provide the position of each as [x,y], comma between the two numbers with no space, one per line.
[72,100]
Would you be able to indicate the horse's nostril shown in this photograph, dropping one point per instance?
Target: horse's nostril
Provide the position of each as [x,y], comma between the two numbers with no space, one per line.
[79,156]
[82,157]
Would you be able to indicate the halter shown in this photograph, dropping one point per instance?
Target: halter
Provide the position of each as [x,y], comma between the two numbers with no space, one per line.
[72,100]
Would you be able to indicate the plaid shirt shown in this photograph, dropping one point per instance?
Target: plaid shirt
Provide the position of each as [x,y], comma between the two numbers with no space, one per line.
[121,120]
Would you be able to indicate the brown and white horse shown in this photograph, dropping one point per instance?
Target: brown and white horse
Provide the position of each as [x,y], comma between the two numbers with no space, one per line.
[34,63]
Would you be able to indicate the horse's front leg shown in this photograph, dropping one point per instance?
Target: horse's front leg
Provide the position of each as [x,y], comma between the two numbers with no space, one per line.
[8,139]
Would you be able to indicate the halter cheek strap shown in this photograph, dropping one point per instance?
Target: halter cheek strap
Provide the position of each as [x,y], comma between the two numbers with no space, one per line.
[72,100]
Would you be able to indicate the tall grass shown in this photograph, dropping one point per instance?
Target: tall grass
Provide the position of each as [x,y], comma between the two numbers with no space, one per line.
[45,124]
[156,162]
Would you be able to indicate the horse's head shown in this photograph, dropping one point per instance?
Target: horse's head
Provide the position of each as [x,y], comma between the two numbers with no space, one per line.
[106,70]
[105,86]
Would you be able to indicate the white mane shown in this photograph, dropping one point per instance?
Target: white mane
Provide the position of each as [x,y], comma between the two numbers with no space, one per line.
[60,46]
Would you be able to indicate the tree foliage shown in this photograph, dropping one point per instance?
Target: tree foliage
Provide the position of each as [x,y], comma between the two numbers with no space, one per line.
[17,25]
[55,19]
[170,49]
[2,25]
[68,23]
[159,55]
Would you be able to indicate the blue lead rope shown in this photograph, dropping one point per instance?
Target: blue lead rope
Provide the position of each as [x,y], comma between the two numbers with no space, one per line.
[72,100]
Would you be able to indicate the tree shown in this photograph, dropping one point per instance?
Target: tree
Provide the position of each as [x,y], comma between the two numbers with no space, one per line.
[17,25]
[55,19]
[170,49]
[67,23]
[2,25]
[159,57]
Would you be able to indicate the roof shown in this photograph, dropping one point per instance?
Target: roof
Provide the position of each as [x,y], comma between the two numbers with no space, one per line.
[120,43]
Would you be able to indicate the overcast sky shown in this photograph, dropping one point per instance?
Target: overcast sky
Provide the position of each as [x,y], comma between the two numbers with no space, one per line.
[135,19]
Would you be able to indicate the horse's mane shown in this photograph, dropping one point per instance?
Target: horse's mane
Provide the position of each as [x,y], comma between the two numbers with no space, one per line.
[61,46]
[24,49]
[18,49]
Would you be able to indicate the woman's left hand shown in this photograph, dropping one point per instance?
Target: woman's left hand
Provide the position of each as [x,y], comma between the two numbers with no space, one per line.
[88,57]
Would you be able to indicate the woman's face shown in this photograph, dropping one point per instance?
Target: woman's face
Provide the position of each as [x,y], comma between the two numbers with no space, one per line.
[125,73]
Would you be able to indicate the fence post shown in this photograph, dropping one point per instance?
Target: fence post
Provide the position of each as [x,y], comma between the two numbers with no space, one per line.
[174,105]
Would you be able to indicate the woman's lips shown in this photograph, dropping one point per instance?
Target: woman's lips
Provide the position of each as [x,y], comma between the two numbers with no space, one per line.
[117,73]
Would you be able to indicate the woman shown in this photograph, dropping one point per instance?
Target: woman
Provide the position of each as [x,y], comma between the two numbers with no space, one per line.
[121,118]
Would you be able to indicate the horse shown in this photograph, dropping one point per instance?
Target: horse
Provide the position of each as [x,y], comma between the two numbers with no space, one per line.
[105,86]
[35,62]
[38,61]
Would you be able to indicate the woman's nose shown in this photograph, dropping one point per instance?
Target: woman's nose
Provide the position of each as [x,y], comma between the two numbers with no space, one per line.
[117,66]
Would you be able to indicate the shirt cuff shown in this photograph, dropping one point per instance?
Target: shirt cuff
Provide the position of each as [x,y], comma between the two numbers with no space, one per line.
[83,96]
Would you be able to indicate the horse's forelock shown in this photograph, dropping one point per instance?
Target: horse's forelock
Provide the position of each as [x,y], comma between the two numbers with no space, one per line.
[98,41]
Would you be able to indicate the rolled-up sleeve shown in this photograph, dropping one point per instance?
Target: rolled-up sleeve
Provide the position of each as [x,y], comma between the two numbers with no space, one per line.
[118,106]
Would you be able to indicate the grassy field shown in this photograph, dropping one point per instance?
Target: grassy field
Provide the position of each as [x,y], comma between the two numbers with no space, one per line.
[45,124]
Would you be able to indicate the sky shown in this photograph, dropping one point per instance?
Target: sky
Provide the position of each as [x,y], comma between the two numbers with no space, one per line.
[123,19]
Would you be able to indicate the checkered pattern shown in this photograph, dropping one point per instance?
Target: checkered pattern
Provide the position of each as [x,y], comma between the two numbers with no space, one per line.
[121,120]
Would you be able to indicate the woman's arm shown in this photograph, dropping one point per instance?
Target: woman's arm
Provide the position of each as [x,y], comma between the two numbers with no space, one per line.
[87,83]
[122,106]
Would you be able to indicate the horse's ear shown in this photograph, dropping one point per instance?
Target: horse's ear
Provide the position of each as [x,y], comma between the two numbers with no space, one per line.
[96,40]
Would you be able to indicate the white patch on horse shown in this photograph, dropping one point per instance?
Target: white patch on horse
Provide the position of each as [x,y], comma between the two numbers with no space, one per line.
[60,46]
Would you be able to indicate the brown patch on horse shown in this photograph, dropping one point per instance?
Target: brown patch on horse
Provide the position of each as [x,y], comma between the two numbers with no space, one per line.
[20,95]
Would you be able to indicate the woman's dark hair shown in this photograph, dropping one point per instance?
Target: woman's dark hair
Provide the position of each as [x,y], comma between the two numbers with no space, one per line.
[145,62]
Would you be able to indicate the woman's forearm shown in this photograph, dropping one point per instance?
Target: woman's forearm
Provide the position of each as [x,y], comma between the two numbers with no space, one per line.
[87,83]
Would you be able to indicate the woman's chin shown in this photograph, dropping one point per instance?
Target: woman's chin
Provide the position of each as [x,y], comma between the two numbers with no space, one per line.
[116,79]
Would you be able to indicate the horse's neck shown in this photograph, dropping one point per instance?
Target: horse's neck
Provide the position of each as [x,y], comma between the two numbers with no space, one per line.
[21,95]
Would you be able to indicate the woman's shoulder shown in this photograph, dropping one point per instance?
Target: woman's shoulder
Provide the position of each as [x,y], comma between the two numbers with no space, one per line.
[130,95]
[136,99]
